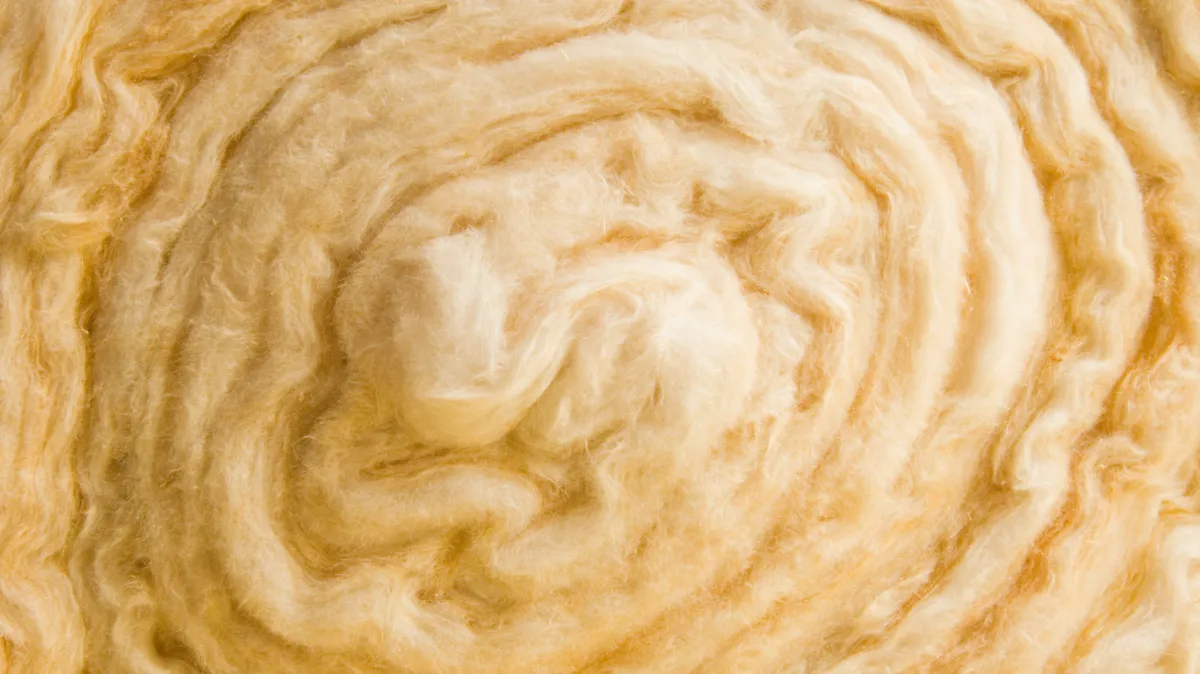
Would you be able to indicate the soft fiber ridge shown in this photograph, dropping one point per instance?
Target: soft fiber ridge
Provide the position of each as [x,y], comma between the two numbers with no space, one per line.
[524,336]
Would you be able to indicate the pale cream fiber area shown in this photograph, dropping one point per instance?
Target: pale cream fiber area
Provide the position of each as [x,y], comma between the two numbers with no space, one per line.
[541,336]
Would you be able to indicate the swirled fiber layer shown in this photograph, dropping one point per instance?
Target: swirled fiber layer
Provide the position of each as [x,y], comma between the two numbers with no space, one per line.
[509,336]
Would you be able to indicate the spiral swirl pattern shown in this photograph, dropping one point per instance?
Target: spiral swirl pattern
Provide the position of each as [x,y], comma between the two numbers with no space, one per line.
[597,335]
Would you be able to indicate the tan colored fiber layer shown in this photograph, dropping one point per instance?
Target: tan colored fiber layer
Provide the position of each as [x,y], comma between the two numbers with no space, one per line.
[539,336]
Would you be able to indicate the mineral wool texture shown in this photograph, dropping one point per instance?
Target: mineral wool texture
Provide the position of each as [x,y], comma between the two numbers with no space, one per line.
[551,336]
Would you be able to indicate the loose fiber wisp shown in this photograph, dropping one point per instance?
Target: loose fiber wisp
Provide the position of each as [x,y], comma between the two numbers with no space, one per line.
[547,336]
